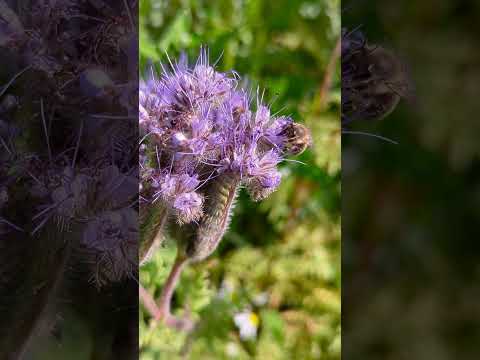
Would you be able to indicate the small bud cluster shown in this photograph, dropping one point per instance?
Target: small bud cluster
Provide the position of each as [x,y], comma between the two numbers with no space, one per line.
[198,124]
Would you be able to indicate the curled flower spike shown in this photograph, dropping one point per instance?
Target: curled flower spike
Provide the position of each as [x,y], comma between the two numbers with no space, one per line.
[178,191]
[265,176]
[202,140]
[198,124]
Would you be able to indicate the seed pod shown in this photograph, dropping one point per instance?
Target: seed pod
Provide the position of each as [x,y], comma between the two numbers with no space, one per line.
[218,209]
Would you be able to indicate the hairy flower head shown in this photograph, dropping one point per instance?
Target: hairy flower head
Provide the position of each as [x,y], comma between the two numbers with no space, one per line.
[198,124]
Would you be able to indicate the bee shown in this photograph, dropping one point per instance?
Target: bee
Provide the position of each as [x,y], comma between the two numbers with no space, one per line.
[298,138]
[238,111]
[374,80]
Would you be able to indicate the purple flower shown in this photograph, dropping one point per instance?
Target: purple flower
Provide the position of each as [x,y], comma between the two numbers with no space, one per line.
[202,139]
[188,207]
[178,193]
[198,124]
[265,177]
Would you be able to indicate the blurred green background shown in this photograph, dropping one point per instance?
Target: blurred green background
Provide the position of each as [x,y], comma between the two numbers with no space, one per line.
[280,260]
[411,211]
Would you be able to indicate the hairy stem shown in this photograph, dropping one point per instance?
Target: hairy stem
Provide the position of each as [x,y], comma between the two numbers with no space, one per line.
[153,219]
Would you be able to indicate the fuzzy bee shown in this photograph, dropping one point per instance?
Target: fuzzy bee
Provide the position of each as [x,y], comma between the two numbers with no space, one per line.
[374,80]
[298,138]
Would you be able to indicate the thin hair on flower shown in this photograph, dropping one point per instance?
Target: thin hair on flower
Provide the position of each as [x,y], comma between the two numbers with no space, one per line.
[198,124]
[203,137]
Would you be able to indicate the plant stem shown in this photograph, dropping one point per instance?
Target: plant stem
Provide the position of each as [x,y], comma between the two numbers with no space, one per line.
[148,301]
[169,287]
[321,99]
[162,310]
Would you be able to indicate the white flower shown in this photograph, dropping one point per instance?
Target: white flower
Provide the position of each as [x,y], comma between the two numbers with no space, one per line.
[247,323]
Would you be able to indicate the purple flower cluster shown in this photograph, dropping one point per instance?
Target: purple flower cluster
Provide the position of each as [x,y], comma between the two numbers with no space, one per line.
[197,124]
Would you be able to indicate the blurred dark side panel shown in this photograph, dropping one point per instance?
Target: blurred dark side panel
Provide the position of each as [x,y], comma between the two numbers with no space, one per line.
[411,212]
[68,179]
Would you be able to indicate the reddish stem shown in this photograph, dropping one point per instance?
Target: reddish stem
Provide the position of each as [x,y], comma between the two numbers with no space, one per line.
[169,286]
[329,71]
[163,310]
[148,301]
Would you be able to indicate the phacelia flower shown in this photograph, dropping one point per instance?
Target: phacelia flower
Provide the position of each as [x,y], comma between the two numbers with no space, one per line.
[178,191]
[199,124]
[202,138]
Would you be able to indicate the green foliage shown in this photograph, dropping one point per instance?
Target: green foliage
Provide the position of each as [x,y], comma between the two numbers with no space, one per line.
[280,258]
